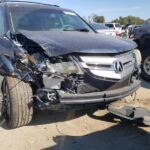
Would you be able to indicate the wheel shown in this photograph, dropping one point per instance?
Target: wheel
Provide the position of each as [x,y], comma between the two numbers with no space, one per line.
[146,64]
[19,103]
[1,94]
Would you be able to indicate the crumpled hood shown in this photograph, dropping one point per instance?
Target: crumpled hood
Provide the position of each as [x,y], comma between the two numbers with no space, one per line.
[65,42]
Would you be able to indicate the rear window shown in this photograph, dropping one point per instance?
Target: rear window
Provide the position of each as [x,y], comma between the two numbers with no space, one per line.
[109,25]
[117,25]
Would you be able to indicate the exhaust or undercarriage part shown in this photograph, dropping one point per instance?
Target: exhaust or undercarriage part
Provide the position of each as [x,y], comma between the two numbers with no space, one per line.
[134,110]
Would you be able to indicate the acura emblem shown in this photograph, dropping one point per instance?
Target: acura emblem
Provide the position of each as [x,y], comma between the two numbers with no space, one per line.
[118,66]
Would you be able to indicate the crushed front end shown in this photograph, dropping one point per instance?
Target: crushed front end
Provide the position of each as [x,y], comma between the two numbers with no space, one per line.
[79,78]
[105,78]
[48,62]
[74,78]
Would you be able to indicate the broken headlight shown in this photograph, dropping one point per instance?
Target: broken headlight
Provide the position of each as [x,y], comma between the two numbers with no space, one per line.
[54,65]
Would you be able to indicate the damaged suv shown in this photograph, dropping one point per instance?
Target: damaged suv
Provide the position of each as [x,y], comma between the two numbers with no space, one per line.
[50,58]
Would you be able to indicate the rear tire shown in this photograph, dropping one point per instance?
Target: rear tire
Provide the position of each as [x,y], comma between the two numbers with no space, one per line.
[19,103]
[146,64]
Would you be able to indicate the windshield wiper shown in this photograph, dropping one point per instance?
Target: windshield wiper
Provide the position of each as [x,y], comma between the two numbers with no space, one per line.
[81,30]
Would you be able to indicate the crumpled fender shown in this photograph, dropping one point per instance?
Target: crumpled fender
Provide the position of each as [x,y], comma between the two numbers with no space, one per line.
[8,55]
[6,47]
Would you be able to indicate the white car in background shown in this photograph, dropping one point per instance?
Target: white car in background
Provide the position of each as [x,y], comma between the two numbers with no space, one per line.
[116,26]
[100,28]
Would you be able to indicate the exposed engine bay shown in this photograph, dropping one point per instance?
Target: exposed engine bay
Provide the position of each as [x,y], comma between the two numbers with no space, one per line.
[49,75]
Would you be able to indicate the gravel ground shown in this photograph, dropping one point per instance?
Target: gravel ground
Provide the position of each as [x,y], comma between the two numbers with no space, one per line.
[78,130]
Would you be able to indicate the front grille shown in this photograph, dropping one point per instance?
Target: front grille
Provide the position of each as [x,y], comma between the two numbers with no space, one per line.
[113,67]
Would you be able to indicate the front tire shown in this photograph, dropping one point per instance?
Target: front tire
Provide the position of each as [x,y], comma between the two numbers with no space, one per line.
[19,103]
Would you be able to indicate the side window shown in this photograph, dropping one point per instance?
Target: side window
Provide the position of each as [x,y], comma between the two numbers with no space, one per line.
[1,22]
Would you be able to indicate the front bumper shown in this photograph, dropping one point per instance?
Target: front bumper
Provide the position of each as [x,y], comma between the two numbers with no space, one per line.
[97,97]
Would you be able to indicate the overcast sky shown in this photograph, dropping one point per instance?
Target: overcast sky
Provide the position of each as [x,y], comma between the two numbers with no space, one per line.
[111,9]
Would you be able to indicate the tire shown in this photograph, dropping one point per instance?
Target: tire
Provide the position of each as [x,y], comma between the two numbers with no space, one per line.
[146,64]
[18,96]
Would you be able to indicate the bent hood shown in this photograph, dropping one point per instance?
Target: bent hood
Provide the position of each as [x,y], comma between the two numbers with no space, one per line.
[61,43]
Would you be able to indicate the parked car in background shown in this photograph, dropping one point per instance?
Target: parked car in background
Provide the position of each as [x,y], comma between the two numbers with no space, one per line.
[116,26]
[100,28]
[134,28]
[128,30]
[144,46]
[131,29]
[142,30]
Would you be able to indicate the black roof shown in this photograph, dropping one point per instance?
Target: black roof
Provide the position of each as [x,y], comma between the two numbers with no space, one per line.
[35,4]
[23,1]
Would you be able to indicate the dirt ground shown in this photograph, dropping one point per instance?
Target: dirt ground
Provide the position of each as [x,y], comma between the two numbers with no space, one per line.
[78,130]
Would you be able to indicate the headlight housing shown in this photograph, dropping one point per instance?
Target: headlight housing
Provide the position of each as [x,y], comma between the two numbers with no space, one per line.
[138,57]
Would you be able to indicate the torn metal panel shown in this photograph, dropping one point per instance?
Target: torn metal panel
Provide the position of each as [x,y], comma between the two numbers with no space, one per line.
[6,65]
[61,43]
[6,47]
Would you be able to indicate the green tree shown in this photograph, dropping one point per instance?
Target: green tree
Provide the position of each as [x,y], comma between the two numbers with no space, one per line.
[129,20]
[98,19]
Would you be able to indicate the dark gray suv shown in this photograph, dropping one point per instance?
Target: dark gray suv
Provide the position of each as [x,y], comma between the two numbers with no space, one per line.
[51,58]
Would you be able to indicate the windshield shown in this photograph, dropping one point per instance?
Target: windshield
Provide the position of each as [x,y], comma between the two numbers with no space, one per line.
[46,19]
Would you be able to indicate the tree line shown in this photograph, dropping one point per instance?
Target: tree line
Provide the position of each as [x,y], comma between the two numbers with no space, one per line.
[120,20]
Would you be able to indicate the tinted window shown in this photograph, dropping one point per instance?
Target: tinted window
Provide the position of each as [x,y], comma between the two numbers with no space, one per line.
[109,25]
[1,22]
[33,19]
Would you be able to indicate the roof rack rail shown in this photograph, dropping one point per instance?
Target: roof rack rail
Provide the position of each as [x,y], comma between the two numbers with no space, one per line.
[55,5]
[1,1]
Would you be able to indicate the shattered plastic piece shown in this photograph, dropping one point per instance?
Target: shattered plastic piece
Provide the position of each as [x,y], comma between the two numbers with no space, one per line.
[138,111]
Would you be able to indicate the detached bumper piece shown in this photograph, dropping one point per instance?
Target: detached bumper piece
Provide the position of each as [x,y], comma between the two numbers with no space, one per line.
[137,111]
[97,97]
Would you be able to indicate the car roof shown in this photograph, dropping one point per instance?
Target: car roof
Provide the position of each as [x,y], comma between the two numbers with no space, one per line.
[23,3]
